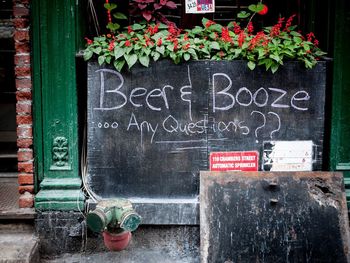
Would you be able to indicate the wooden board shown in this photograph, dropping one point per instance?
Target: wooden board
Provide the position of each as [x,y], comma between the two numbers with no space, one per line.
[273,217]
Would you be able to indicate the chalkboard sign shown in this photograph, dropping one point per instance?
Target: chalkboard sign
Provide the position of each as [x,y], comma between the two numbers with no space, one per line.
[151,130]
[273,217]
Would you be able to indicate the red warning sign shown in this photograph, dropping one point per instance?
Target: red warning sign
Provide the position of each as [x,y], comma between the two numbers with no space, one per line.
[234,161]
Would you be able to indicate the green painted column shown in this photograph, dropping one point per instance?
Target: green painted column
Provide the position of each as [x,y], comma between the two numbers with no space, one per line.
[54,32]
[340,134]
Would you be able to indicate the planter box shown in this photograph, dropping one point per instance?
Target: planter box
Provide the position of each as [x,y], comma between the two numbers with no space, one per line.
[151,130]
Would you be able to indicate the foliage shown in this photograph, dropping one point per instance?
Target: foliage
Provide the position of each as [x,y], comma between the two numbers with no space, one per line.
[144,43]
[151,10]
[113,27]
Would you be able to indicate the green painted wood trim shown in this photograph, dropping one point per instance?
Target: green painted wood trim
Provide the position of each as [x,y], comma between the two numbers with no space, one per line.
[340,132]
[36,74]
[56,114]
[59,183]
[63,200]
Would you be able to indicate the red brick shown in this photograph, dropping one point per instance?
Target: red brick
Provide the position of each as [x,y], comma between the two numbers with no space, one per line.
[25,167]
[24,156]
[23,2]
[24,83]
[24,143]
[20,11]
[26,188]
[22,60]
[23,95]
[21,22]
[23,108]
[21,35]
[25,179]
[24,132]
[22,71]
[22,47]
[24,119]
[26,200]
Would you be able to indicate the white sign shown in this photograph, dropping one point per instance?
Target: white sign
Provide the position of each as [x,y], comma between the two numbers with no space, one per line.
[283,156]
[200,6]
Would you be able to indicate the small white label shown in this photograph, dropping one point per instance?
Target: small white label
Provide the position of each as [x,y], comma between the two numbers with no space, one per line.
[200,6]
[283,156]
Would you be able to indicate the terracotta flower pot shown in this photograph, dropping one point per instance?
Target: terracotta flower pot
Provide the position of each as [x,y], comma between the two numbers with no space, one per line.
[116,241]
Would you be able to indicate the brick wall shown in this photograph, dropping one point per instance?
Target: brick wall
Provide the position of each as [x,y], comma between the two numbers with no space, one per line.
[24,103]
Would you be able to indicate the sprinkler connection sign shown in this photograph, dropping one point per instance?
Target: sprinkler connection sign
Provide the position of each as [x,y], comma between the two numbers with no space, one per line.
[234,161]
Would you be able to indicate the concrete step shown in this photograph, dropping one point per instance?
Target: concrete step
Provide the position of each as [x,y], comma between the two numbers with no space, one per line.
[18,243]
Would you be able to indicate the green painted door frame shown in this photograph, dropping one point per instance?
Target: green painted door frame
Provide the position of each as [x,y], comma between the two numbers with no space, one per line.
[54,45]
[340,133]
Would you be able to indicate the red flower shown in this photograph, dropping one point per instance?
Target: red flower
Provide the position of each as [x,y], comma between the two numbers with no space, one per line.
[127,43]
[236,28]
[225,35]
[276,29]
[316,42]
[310,36]
[264,10]
[209,23]
[111,46]
[186,36]
[130,29]
[88,41]
[159,42]
[250,27]
[186,46]
[241,38]
[289,23]
[173,30]
[260,37]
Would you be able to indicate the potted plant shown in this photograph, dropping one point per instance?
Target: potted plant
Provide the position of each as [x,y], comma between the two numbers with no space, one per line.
[156,38]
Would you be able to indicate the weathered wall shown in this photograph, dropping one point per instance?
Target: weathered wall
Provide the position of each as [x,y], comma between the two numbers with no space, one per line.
[21,21]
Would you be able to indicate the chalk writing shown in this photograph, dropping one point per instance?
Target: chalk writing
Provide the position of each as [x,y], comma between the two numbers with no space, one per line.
[263,106]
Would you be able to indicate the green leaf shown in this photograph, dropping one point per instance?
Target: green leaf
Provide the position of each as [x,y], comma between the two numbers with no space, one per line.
[87,54]
[97,50]
[113,26]
[119,15]
[204,21]
[193,53]
[275,57]
[187,56]
[251,65]
[297,40]
[215,45]
[108,59]
[243,14]
[119,64]
[101,60]
[147,51]
[170,48]
[274,67]
[197,30]
[118,52]
[160,49]
[130,59]
[253,8]
[110,6]
[137,27]
[144,60]
[156,56]
[259,7]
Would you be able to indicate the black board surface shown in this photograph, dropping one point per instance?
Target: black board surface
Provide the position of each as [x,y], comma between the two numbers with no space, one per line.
[151,130]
